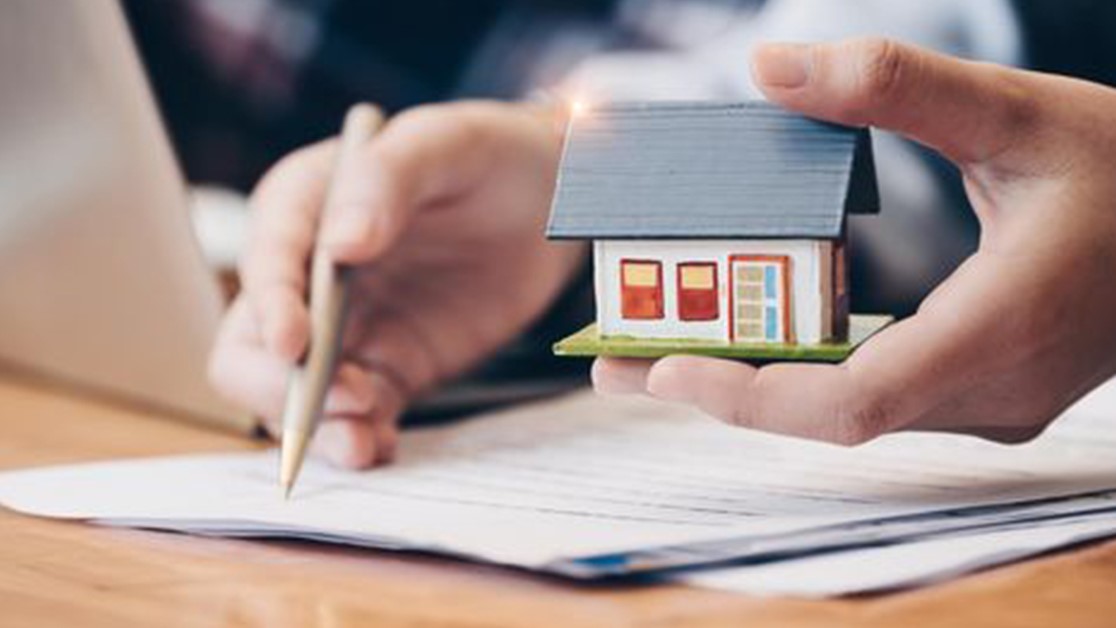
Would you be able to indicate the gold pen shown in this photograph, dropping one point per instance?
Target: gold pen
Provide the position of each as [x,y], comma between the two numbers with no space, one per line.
[309,382]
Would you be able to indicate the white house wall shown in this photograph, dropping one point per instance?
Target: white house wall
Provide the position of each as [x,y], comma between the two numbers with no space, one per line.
[806,302]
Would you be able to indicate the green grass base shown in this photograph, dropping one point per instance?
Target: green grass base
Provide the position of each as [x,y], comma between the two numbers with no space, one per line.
[588,342]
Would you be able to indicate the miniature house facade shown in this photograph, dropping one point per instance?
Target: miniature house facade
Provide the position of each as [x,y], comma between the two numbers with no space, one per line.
[721,222]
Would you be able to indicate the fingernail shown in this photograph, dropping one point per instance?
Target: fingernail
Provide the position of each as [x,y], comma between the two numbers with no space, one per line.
[667,382]
[619,377]
[782,65]
[668,393]
[351,392]
[341,400]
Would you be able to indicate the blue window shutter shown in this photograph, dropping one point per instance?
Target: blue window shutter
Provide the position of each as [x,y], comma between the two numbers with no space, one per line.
[771,322]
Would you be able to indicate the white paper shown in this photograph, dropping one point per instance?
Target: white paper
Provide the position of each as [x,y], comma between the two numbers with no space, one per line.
[579,477]
[1087,431]
[868,570]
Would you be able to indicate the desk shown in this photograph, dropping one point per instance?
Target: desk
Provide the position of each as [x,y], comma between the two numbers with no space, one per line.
[71,574]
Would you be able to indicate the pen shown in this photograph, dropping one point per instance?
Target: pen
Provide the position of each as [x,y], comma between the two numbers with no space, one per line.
[309,382]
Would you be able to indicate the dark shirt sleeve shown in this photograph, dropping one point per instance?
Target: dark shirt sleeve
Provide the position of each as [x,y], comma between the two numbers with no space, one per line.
[1070,37]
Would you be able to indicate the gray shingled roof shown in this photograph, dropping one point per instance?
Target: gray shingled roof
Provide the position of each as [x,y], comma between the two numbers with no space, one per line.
[709,170]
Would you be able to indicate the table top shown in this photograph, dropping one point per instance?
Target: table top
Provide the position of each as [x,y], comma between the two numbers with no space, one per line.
[68,573]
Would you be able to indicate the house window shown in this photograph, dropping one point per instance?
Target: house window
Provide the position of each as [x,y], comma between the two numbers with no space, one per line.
[641,289]
[697,291]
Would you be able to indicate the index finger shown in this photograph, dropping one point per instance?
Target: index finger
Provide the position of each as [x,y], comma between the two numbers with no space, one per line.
[286,205]
[423,155]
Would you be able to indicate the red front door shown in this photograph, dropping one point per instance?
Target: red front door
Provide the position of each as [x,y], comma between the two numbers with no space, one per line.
[760,296]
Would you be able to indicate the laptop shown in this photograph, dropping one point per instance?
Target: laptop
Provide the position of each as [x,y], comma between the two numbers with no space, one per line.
[102,283]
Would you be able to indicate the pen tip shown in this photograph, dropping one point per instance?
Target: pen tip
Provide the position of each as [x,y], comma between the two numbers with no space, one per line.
[291,454]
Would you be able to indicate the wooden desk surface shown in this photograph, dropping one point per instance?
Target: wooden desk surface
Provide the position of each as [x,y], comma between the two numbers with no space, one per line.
[72,574]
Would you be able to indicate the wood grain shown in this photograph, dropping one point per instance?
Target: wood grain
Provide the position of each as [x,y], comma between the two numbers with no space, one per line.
[72,574]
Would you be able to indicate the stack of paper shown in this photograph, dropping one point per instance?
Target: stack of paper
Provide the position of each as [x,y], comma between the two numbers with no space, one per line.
[591,487]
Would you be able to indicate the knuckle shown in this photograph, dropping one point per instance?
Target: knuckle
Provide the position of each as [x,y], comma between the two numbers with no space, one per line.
[271,257]
[740,415]
[294,161]
[423,121]
[418,116]
[248,267]
[258,278]
[750,406]
[305,161]
[883,66]
[466,122]
[389,155]
[469,127]
[860,420]
[1017,108]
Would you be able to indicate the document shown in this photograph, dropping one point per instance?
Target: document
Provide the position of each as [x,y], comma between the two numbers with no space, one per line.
[588,487]
[903,565]
[1089,429]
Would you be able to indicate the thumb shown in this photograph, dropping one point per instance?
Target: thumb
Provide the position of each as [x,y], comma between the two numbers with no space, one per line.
[970,112]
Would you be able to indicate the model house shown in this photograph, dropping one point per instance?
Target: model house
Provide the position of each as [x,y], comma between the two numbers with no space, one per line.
[714,224]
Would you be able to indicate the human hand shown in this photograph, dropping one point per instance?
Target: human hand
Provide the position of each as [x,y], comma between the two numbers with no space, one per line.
[1023,327]
[441,215]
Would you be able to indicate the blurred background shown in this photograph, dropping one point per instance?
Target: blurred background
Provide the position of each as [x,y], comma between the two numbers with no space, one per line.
[243,82]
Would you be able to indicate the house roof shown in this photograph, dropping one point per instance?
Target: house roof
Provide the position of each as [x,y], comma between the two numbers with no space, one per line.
[709,170]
